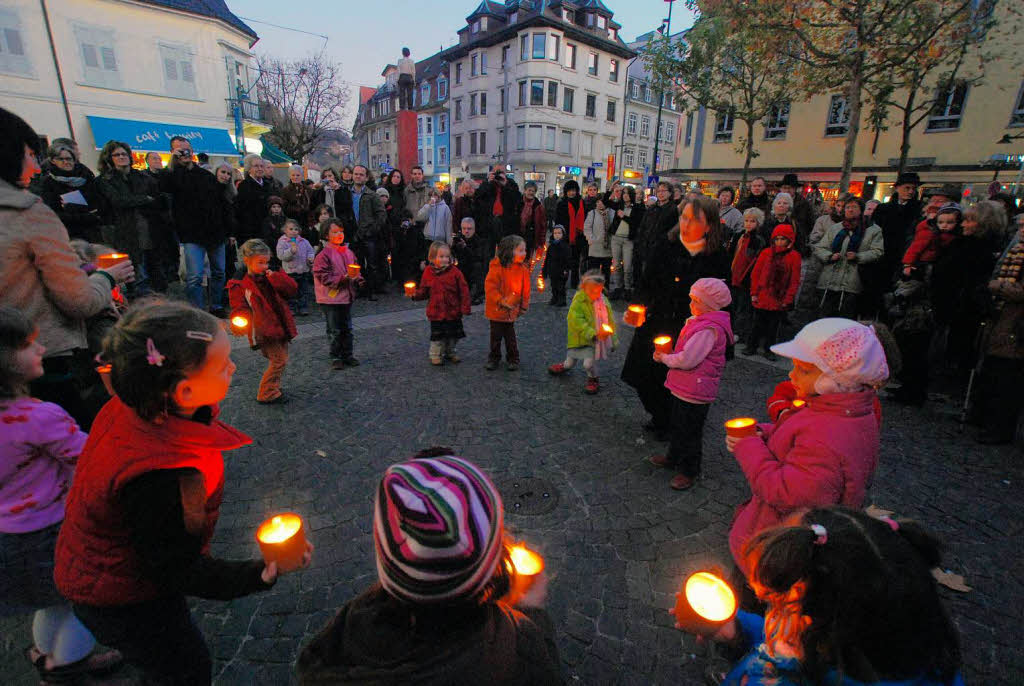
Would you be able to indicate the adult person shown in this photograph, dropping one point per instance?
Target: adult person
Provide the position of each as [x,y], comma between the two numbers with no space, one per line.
[757,197]
[251,202]
[533,220]
[571,216]
[627,221]
[550,205]
[371,219]
[161,223]
[498,197]
[401,239]
[416,193]
[346,176]
[898,218]
[658,220]
[130,199]
[806,299]
[199,222]
[801,212]
[65,175]
[842,249]
[782,213]
[41,276]
[297,197]
[45,165]
[406,80]
[694,250]
[464,205]
[731,217]
[335,194]
[224,211]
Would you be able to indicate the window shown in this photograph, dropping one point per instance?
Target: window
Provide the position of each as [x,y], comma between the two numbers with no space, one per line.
[567,96]
[12,50]
[483,142]
[442,89]
[570,55]
[1017,116]
[627,157]
[565,142]
[613,70]
[536,92]
[387,133]
[534,133]
[613,34]
[501,142]
[458,73]
[472,65]
[777,122]
[504,55]
[458,146]
[592,64]
[472,104]
[419,156]
[611,110]
[643,157]
[429,121]
[723,127]
[521,137]
[838,122]
[549,138]
[591,106]
[645,126]
[483,63]
[179,73]
[458,109]
[554,47]
[689,129]
[483,104]
[513,18]
[590,19]
[588,146]
[99,61]
[524,47]
[539,45]
[948,108]
[522,93]
[602,23]
[501,99]
[671,101]
[631,123]
[552,94]
[419,126]
[669,133]
[442,155]
[475,26]
[472,143]
[634,90]
[442,123]
[425,94]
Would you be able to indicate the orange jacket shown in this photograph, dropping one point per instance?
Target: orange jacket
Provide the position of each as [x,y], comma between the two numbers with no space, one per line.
[507,290]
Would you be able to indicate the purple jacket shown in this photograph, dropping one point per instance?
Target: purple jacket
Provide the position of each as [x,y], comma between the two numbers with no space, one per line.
[331,284]
[299,263]
[700,384]
[37,460]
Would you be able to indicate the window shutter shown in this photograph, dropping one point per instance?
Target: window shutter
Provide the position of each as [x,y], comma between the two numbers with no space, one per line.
[109,62]
[14,44]
[186,72]
[170,69]
[89,55]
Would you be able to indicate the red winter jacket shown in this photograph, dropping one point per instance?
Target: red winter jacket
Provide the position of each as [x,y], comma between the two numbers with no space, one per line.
[448,293]
[760,278]
[95,562]
[264,297]
[928,242]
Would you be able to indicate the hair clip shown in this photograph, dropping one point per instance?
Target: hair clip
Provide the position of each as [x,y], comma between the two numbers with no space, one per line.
[893,524]
[821,534]
[199,336]
[153,355]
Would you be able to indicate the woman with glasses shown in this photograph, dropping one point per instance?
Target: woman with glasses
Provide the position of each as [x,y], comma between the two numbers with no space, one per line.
[68,188]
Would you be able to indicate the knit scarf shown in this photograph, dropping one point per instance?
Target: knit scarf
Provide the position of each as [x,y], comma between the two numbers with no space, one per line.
[852,229]
[696,247]
[73,181]
[778,274]
[576,218]
[601,346]
[744,258]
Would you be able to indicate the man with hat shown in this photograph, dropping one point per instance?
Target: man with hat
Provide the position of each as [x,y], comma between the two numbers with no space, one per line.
[801,213]
[898,218]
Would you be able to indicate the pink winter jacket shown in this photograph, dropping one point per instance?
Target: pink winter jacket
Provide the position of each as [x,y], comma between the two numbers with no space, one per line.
[331,284]
[700,384]
[822,454]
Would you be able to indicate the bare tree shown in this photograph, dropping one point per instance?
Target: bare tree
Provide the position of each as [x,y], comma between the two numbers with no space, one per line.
[304,100]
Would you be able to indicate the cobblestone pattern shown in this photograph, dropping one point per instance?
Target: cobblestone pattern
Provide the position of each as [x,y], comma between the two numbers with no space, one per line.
[619,541]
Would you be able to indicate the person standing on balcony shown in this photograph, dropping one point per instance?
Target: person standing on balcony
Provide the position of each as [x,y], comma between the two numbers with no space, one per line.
[406,80]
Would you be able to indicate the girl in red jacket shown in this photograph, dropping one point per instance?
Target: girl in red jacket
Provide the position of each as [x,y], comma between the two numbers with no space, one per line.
[448,292]
[262,296]
[146,495]
[773,287]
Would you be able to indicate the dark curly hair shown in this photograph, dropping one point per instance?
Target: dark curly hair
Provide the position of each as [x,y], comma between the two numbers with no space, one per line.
[16,331]
[873,605]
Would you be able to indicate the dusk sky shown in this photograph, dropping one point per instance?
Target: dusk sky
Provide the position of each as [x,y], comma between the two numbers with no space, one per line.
[365,36]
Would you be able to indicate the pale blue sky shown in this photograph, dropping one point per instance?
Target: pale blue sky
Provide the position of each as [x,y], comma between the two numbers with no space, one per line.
[365,35]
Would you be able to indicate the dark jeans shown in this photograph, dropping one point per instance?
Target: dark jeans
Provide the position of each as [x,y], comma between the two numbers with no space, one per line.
[837,304]
[605,265]
[405,84]
[742,312]
[158,637]
[558,289]
[766,327]
[686,429]
[300,303]
[579,256]
[998,399]
[71,381]
[914,374]
[374,262]
[339,330]
[504,331]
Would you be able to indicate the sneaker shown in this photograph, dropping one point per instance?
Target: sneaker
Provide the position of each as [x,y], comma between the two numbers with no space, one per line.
[491,365]
[592,386]
[659,460]
[337,365]
[681,482]
[512,366]
[453,358]
[351,362]
[436,361]
[557,369]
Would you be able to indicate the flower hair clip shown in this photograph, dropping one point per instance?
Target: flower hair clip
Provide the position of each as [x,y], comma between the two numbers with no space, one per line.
[153,355]
[820,533]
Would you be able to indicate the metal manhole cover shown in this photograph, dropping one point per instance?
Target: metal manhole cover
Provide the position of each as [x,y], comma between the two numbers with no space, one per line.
[529,495]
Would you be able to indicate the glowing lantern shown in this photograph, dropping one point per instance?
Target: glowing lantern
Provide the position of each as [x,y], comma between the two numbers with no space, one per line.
[353,271]
[240,323]
[410,289]
[607,328]
[741,427]
[635,315]
[798,403]
[110,259]
[526,566]
[104,371]
[282,539]
[540,283]
[705,604]
[663,344]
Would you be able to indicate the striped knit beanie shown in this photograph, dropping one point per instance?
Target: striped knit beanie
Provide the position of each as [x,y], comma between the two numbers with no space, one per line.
[438,525]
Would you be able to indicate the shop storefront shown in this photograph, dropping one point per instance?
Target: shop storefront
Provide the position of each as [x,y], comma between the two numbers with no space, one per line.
[145,137]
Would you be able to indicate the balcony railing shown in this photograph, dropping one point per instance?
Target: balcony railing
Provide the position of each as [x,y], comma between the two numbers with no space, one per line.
[251,109]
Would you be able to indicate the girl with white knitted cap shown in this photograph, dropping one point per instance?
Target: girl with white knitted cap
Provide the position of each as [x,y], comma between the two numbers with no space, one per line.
[824,453]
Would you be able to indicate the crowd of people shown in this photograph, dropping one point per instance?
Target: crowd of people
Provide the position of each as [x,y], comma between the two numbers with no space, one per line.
[109,497]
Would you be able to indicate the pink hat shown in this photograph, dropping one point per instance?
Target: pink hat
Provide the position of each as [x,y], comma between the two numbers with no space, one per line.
[847,352]
[712,292]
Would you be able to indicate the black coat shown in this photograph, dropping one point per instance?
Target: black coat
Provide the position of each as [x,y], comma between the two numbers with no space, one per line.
[129,202]
[558,260]
[511,203]
[201,210]
[761,202]
[81,221]
[653,230]
[251,207]
[959,282]
[472,256]
[898,223]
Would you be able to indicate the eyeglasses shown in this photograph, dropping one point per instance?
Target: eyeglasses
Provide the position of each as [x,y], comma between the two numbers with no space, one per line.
[64,159]
[119,154]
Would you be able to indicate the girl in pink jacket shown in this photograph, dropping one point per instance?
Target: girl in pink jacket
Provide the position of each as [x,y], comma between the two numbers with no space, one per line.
[825,452]
[335,291]
[695,369]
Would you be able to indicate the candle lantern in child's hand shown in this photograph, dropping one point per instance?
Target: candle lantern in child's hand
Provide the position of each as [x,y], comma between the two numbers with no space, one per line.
[607,328]
[705,603]
[663,344]
[526,566]
[282,539]
[240,322]
[635,315]
[110,259]
[741,427]
[104,371]
[540,283]
[353,271]
[410,289]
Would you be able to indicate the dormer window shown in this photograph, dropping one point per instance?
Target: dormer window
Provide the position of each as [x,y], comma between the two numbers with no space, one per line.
[613,34]
[513,18]
[476,26]
[601,22]
[590,20]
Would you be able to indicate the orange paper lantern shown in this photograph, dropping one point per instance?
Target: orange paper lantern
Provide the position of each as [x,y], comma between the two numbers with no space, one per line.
[282,539]
[110,259]
[705,603]
[607,329]
[353,271]
[239,324]
[798,403]
[410,289]
[741,427]
[663,344]
[104,371]
[635,315]
[526,567]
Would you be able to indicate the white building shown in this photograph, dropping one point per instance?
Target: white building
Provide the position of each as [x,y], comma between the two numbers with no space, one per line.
[540,86]
[140,72]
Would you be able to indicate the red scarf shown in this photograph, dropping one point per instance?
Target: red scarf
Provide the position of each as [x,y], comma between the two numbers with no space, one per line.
[778,273]
[498,209]
[743,261]
[576,218]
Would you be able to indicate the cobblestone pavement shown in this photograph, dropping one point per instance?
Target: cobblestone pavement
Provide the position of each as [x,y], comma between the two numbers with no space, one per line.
[617,540]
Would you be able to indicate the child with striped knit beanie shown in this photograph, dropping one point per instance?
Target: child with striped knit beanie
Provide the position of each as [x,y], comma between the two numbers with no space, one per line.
[440,612]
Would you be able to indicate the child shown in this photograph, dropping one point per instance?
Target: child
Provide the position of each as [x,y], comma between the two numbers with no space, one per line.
[508,296]
[261,294]
[746,248]
[97,326]
[335,291]
[589,340]
[826,452]
[596,228]
[850,601]
[695,370]
[471,255]
[272,225]
[441,612]
[296,255]
[312,232]
[773,288]
[557,263]
[446,287]
[137,529]
[930,237]
[37,460]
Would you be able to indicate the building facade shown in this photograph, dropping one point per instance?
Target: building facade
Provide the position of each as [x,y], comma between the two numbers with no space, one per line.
[140,72]
[538,86]
[375,133]
[432,119]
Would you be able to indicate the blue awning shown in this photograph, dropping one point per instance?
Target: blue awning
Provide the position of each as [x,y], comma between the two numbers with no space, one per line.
[147,136]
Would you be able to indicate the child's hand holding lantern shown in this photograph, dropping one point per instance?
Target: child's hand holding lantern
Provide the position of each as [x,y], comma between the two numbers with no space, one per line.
[270,571]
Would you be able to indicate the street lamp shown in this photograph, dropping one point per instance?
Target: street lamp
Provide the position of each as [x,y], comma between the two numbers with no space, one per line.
[661,95]
[1008,139]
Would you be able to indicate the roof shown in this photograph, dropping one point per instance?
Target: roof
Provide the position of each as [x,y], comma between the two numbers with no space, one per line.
[592,5]
[215,9]
[430,67]
[496,9]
